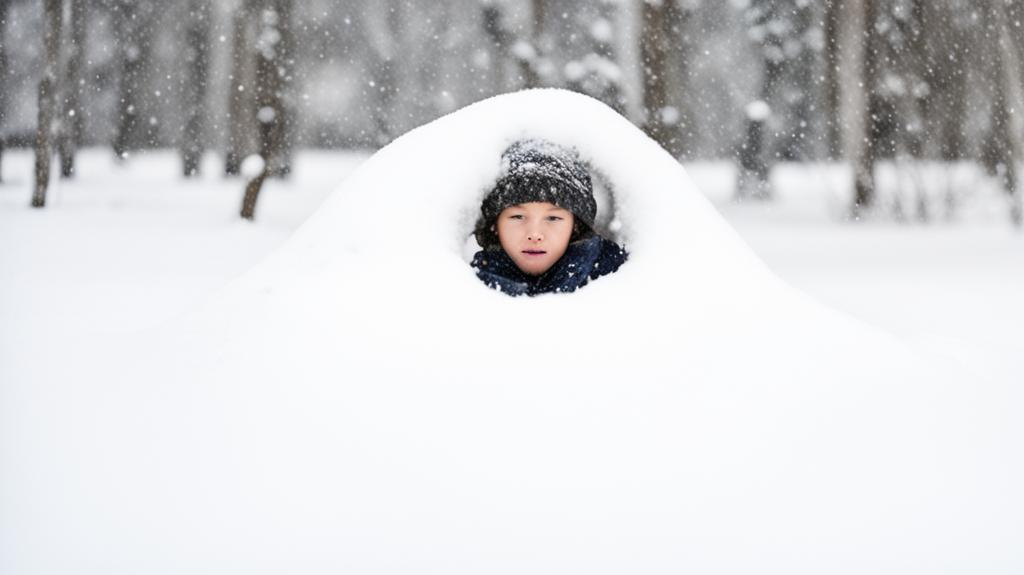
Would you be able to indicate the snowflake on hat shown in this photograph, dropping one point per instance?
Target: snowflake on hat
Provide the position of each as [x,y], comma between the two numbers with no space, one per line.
[539,171]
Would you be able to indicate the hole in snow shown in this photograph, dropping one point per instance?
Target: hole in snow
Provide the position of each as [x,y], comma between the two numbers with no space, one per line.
[606,222]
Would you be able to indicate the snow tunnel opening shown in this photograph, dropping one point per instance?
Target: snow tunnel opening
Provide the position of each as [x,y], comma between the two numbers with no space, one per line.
[606,226]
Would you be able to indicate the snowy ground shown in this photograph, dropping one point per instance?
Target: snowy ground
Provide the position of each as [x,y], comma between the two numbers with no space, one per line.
[325,411]
[955,283]
[127,247]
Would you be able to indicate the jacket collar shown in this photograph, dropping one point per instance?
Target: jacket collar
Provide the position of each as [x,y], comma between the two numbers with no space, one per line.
[572,270]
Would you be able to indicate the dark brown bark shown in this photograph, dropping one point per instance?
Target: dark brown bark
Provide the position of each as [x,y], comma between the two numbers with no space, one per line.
[951,116]
[655,44]
[278,134]
[135,20]
[239,99]
[944,71]
[3,79]
[252,193]
[197,39]
[273,77]
[52,21]
[72,118]
[917,71]
[866,155]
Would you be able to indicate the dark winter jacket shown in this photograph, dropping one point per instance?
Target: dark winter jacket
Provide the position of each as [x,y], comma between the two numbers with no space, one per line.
[582,261]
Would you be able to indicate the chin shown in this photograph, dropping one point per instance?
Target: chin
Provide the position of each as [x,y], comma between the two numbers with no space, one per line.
[534,270]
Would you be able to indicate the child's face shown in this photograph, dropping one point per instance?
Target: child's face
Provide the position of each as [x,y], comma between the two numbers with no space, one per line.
[534,235]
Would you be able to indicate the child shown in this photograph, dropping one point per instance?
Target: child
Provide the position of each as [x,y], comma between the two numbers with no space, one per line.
[536,225]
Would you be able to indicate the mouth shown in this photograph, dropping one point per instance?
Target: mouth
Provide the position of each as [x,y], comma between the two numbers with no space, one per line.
[534,252]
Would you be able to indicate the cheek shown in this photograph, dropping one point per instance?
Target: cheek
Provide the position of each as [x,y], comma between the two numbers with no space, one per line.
[565,234]
[503,231]
[509,238]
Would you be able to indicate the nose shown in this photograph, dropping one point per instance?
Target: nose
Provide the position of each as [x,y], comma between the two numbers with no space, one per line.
[534,231]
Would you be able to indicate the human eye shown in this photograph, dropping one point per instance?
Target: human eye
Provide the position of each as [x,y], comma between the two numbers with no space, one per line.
[516,217]
[555,218]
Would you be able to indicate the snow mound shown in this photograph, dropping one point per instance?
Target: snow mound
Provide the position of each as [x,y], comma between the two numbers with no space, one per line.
[361,403]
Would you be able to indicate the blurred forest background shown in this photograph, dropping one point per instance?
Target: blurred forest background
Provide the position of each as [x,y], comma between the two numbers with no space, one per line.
[904,83]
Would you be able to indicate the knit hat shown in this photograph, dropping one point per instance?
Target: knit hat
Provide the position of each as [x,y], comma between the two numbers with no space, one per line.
[539,171]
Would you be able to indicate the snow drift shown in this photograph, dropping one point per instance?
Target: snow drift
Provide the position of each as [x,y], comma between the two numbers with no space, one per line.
[361,403]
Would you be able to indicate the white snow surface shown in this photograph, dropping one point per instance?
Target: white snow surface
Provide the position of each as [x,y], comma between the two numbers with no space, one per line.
[359,402]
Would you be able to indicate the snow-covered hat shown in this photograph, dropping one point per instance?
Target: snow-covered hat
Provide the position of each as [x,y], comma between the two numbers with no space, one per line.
[539,171]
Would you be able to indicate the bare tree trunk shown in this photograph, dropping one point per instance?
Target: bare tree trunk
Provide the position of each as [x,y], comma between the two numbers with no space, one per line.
[916,70]
[134,17]
[252,193]
[500,42]
[1008,109]
[272,79]
[594,79]
[795,143]
[855,71]
[268,83]
[385,19]
[3,79]
[944,110]
[754,155]
[753,173]
[953,141]
[385,81]
[509,47]
[655,44]
[53,13]
[278,92]
[867,155]
[539,9]
[613,95]
[832,88]
[532,67]
[72,120]
[274,65]
[239,98]
[197,40]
